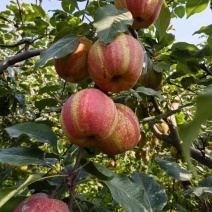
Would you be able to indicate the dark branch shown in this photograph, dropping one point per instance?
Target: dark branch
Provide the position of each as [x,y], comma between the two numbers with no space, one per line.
[87,2]
[18,58]
[73,178]
[174,139]
[15,44]
[170,2]
[204,68]
[163,115]
[3,18]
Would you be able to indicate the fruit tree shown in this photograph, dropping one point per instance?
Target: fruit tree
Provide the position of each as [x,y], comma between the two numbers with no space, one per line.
[103,109]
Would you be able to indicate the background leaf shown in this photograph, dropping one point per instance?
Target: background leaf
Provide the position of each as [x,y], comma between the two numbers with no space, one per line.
[131,196]
[149,92]
[155,192]
[199,191]
[179,11]
[8,193]
[205,29]
[39,132]
[50,102]
[163,21]
[109,21]
[189,131]
[207,182]
[39,10]
[174,170]
[21,156]
[195,6]
[12,203]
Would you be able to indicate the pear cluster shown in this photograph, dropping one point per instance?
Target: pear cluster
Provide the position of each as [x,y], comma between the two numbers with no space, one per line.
[90,117]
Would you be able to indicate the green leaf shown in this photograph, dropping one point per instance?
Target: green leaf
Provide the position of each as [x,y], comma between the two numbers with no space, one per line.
[4,174]
[95,170]
[198,191]
[49,89]
[23,156]
[39,132]
[179,208]
[5,92]
[189,66]
[179,11]
[207,182]
[176,75]
[204,52]
[69,5]
[41,104]
[174,170]
[109,21]
[40,23]
[149,92]
[205,29]
[12,203]
[155,192]
[131,196]
[163,21]
[187,81]
[61,48]
[183,51]
[165,41]
[21,99]
[189,131]
[8,192]
[195,6]
[205,82]
[39,10]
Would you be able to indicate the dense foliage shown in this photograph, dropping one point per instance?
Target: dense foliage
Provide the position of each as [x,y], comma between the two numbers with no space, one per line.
[170,168]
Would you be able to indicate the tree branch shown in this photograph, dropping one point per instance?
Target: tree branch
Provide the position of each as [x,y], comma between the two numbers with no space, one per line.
[204,68]
[174,139]
[163,115]
[73,178]
[15,44]
[18,58]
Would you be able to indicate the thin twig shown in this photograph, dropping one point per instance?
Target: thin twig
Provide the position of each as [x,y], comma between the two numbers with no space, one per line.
[15,44]
[174,139]
[204,68]
[87,2]
[73,178]
[20,9]
[163,115]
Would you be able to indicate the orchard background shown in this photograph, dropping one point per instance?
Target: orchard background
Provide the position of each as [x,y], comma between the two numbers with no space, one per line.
[170,168]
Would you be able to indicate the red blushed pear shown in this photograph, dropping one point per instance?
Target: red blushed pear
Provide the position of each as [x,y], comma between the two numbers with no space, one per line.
[88,116]
[116,66]
[126,135]
[73,67]
[144,12]
[40,202]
